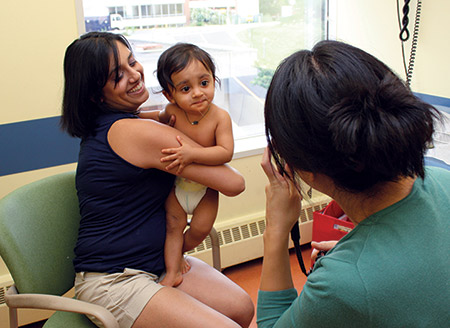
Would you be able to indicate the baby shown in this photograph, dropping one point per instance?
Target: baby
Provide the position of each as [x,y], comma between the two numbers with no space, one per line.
[187,77]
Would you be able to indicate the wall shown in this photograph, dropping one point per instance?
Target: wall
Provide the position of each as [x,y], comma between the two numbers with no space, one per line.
[34,38]
[373,26]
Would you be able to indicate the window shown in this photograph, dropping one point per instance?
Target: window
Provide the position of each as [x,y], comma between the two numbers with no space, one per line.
[135,12]
[165,10]
[172,9]
[179,9]
[146,11]
[246,38]
[115,10]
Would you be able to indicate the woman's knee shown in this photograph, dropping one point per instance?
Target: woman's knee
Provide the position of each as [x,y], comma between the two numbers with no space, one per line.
[238,305]
[244,309]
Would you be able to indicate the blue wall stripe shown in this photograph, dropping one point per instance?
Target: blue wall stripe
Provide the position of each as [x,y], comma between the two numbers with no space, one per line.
[434,100]
[35,144]
[441,102]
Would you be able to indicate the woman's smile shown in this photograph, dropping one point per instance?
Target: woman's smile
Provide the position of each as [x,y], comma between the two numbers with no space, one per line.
[128,91]
[138,88]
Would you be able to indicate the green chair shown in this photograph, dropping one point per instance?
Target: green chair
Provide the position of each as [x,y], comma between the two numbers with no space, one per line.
[38,230]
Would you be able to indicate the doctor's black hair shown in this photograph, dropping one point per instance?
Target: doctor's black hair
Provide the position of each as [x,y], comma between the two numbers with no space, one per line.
[339,111]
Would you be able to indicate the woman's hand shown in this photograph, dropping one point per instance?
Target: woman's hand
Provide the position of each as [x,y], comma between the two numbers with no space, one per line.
[321,246]
[159,116]
[283,200]
[167,119]
[172,120]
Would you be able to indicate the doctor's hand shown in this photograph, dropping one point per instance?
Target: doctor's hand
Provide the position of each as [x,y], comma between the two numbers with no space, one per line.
[283,200]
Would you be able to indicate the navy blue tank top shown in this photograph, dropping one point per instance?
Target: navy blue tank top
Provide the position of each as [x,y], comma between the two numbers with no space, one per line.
[123,220]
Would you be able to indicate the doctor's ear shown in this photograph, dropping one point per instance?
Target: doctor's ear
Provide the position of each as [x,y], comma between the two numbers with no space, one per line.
[306,176]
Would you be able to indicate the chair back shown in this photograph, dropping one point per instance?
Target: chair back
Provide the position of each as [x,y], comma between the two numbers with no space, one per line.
[38,231]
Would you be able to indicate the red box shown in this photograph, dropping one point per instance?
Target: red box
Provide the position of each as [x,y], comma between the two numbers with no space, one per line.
[331,223]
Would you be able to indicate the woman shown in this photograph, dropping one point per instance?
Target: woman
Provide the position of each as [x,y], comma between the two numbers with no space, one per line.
[122,186]
[347,126]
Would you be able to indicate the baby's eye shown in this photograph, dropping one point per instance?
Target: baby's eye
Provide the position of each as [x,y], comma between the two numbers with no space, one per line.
[185,89]
[204,83]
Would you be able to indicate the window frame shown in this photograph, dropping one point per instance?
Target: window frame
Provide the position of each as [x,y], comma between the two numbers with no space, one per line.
[253,144]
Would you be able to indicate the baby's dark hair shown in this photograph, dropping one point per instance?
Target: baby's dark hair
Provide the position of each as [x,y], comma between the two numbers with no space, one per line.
[339,111]
[176,58]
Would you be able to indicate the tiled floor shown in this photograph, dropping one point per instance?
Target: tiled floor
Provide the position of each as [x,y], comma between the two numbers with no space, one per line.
[247,276]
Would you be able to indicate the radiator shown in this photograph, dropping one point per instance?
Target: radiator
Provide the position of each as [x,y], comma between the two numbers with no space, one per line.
[5,283]
[241,240]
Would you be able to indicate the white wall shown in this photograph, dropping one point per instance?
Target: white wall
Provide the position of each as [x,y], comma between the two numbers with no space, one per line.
[373,26]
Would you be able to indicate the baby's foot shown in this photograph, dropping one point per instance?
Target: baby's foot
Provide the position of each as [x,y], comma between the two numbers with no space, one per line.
[172,279]
[185,266]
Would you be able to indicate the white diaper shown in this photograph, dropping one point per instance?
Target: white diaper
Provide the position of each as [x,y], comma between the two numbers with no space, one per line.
[189,193]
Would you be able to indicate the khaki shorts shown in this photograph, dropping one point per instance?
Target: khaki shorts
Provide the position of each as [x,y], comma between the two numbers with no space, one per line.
[125,294]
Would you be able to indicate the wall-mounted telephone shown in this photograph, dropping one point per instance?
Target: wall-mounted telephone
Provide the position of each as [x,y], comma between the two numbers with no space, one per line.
[405,35]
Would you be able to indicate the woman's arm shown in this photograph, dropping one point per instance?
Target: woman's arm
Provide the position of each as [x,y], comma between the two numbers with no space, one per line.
[140,141]
[283,205]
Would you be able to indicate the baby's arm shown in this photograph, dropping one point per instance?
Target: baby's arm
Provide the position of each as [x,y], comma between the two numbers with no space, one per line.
[223,151]
[219,154]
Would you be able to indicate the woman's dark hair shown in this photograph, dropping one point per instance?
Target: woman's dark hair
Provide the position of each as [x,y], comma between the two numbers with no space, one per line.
[339,111]
[86,71]
[176,58]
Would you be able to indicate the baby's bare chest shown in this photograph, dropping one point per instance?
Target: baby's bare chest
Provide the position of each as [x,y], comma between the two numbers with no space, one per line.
[203,133]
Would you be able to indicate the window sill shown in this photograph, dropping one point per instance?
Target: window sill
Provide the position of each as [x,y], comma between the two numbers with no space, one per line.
[250,146]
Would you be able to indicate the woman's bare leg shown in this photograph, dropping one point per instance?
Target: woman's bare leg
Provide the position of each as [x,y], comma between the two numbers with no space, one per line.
[214,289]
[172,308]
[205,298]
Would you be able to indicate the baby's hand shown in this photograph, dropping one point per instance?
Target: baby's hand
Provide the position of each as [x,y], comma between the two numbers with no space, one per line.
[181,156]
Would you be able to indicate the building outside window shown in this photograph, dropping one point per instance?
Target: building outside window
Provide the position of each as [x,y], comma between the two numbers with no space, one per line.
[246,38]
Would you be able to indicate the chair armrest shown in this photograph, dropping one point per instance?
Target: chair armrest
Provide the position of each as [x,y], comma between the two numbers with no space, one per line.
[215,249]
[59,303]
